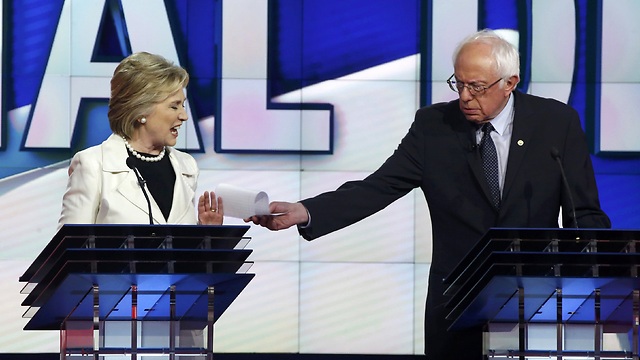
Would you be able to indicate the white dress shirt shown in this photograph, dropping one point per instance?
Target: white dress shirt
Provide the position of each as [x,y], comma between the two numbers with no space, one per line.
[503,125]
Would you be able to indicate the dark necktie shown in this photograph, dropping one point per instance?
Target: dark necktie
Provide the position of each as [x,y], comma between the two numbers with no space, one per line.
[490,163]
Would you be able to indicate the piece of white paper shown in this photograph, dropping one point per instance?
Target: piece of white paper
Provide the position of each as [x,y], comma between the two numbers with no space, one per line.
[242,203]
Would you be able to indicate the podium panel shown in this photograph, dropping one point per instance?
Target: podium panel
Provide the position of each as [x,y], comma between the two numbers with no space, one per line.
[550,293]
[136,291]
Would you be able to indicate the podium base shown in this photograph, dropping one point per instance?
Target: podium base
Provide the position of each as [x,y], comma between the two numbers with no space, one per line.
[117,340]
[133,331]
[577,342]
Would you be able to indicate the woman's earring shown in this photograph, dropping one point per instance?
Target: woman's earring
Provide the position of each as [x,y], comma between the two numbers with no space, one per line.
[143,121]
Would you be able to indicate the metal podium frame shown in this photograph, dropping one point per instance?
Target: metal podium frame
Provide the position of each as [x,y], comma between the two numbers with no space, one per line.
[124,291]
[550,293]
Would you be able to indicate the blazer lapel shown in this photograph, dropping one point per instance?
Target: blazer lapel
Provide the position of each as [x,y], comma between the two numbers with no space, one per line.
[130,190]
[182,206]
[523,129]
[466,131]
[114,157]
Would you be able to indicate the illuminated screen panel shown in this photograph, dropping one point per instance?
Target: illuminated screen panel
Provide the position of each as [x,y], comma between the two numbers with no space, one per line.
[266,318]
[384,237]
[373,308]
[448,30]
[371,117]
[620,132]
[552,54]
[294,98]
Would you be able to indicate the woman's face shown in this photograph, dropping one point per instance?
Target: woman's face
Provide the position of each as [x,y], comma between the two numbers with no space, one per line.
[162,125]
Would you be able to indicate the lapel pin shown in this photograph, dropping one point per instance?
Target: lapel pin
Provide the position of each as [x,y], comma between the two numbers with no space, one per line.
[520,142]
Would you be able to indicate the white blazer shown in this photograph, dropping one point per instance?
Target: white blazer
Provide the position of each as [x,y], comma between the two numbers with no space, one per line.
[103,190]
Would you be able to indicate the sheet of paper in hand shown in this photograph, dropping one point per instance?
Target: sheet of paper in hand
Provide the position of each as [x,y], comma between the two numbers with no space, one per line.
[242,203]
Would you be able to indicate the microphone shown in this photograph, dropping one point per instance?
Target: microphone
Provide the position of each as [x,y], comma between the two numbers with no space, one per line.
[473,145]
[131,163]
[555,154]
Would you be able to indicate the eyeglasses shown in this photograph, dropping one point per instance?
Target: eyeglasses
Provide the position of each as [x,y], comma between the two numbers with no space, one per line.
[474,89]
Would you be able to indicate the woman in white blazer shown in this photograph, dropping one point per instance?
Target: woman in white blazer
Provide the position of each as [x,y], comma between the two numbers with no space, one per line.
[146,110]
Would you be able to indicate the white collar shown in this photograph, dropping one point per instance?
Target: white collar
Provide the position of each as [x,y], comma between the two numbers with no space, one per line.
[504,118]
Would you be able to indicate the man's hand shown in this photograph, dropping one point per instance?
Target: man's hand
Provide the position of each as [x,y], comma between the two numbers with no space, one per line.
[283,216]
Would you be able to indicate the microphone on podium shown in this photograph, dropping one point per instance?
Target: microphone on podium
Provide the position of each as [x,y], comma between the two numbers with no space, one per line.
[131,163]
[555,154]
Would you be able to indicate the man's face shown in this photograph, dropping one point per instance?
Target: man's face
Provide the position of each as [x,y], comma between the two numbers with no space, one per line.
[475,66]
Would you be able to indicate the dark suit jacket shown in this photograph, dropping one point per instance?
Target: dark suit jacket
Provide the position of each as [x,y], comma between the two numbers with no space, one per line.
[438,155]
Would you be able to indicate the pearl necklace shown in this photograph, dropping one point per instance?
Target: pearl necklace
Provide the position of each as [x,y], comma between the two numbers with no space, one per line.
[142,157]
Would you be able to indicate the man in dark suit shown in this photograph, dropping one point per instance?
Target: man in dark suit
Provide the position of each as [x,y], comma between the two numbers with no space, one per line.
[443,154]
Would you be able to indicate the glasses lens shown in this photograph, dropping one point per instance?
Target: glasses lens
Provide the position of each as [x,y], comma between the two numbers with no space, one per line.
[453,85]
[473,89]
[476,89]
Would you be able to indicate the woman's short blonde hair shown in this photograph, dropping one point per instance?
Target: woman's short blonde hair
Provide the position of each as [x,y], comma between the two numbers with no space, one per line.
[139,82]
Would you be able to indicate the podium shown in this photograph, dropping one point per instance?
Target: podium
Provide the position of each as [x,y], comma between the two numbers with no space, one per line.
[136,291]
[550,293]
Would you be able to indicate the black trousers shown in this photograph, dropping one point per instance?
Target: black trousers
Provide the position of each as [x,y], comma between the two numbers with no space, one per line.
[440,343]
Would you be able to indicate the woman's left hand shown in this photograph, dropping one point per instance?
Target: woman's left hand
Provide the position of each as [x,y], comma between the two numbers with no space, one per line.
[210,209]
